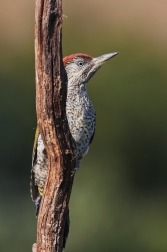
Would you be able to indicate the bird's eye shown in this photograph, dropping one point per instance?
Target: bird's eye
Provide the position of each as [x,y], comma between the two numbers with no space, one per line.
[80,63]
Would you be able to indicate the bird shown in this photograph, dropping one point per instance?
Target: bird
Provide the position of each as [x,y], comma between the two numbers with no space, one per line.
[81,117]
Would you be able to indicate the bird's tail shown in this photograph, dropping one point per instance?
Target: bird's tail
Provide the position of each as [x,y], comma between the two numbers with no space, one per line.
[66,228]
[37,204]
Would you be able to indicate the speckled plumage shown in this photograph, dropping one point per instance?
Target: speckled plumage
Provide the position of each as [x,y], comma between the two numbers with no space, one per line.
[81,117]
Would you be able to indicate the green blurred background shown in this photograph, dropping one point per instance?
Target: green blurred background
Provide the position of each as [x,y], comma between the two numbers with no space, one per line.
[119,198]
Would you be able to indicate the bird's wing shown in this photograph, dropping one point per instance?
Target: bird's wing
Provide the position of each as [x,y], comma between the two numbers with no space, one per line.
[33,187]
[34,151]
[91,139]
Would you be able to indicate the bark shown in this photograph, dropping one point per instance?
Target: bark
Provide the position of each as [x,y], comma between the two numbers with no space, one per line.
[51,90]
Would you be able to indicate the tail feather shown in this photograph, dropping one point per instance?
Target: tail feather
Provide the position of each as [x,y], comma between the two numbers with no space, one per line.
[66,228]
[37,205]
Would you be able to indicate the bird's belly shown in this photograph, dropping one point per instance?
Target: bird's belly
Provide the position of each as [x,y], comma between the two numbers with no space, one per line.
[81,128]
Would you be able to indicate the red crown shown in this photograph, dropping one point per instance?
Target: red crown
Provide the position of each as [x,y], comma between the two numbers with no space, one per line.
[70,58]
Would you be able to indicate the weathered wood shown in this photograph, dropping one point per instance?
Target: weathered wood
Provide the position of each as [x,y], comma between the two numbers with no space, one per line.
[51,89]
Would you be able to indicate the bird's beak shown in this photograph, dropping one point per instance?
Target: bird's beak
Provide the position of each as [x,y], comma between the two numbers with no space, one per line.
[102,59]
[98,62]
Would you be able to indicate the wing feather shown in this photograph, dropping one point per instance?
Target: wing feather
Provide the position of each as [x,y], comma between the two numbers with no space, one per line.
[33,188]
[34,152]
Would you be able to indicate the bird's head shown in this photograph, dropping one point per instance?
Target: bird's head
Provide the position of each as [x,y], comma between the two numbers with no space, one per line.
[81,67]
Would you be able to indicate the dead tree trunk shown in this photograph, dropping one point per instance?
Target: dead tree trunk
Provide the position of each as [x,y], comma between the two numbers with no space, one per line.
[51,90]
